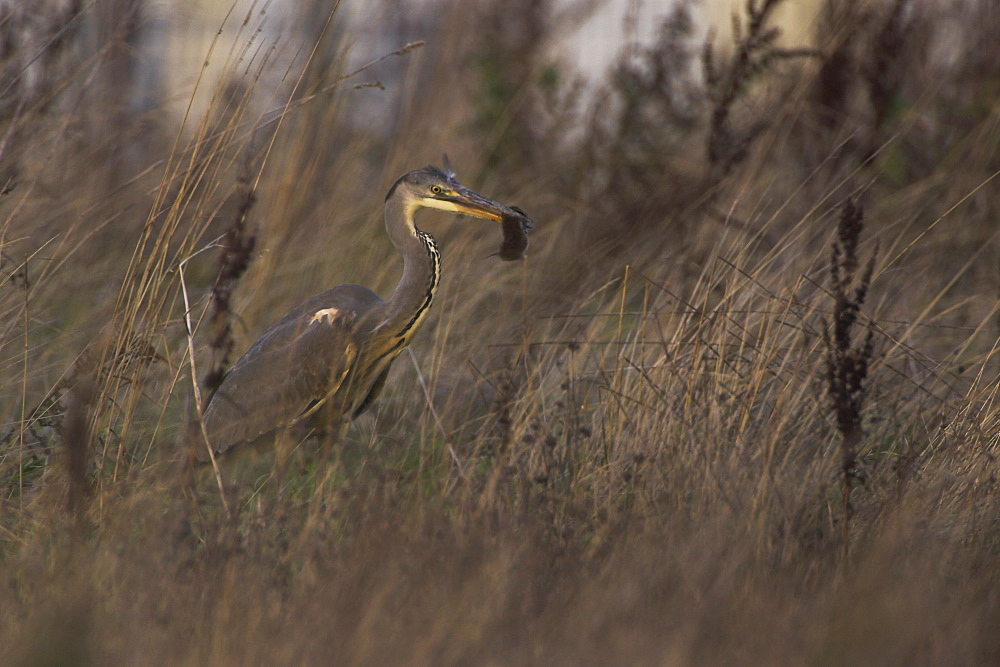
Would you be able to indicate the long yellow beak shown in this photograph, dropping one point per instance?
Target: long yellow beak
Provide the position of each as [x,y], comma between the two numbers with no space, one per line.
[474,204]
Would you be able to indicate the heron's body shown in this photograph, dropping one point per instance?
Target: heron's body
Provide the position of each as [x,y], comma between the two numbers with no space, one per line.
[333,352]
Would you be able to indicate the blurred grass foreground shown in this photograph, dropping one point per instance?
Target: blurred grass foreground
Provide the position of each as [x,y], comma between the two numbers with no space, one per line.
[738,405]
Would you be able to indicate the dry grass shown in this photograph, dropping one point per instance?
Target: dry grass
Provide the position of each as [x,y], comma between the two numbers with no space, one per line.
[624,449]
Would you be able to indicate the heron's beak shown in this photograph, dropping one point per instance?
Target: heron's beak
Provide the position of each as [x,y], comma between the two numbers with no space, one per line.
[474,204]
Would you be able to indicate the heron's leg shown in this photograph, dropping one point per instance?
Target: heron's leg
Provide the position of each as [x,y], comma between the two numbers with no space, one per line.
[342,429]
[286,451]
[330,445]
[332,442]
[327,424]
[284,447]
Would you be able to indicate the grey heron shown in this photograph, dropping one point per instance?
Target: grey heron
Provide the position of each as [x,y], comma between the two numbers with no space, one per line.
[333,352]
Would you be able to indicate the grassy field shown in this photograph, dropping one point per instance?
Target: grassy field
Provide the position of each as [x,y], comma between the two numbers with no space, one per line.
[738,405]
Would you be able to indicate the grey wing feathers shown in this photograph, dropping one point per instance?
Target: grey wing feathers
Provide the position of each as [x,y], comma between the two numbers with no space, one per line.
[301,359]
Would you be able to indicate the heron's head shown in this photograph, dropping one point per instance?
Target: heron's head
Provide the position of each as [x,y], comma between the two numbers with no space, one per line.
[430,187]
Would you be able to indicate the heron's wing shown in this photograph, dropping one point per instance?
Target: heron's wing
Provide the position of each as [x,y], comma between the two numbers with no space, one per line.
[303,358]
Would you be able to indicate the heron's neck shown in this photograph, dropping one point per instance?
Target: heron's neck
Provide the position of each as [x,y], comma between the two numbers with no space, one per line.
[421,271]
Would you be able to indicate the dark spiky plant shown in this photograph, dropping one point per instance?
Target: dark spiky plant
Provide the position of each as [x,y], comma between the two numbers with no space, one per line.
[237,246]
[75,428]
[847,359]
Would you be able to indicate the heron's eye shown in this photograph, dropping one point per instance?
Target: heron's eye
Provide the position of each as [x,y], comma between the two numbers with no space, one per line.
[436,189]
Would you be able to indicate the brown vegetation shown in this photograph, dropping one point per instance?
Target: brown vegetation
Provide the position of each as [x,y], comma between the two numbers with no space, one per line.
[660,439]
